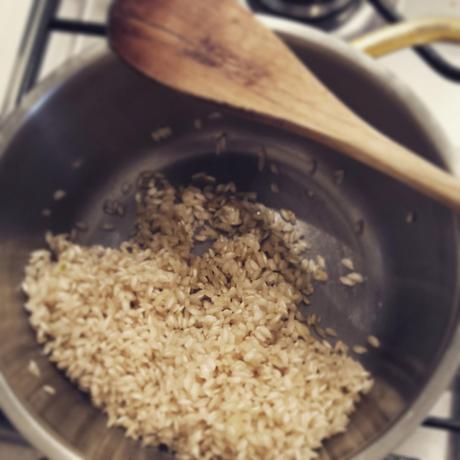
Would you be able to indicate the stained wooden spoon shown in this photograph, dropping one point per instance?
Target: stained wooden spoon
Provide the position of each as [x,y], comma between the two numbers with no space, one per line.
[217,50]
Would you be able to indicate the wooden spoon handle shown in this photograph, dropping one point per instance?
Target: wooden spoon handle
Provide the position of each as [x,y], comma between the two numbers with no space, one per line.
[371,147]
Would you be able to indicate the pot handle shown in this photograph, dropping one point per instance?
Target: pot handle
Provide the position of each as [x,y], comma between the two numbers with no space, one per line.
[409,33]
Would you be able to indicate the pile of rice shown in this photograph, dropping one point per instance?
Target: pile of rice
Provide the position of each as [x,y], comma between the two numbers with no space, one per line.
[189,334]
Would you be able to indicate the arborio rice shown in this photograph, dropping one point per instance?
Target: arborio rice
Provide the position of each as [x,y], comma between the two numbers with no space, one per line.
[205,352]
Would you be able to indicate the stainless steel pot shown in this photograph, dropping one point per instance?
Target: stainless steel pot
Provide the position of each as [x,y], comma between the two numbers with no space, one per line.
[87,130]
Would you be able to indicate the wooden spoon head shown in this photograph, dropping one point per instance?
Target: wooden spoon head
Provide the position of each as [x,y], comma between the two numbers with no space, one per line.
[212,49]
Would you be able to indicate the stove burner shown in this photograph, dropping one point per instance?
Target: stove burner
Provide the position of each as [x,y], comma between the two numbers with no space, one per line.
[306,10]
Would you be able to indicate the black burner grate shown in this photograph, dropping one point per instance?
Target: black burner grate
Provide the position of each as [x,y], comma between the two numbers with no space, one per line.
[307,10]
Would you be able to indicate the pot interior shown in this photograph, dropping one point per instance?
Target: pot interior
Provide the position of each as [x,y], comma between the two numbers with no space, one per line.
[91,136]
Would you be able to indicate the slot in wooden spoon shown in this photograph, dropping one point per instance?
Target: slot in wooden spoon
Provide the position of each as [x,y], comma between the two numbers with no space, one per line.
[217,50]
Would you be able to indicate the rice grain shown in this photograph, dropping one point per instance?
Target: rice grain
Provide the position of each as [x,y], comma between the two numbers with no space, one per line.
[359,349]
[49,389]
[59,195]
[33,368]
[348,263]
[373,341]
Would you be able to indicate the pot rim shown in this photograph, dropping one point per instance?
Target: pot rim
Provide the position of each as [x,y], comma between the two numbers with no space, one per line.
[54,446]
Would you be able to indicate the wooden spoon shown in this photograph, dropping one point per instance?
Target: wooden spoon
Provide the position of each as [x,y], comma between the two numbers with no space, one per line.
[217,50]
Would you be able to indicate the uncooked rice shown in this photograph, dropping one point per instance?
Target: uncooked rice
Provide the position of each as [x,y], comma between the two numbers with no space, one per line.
[410,217]
[198,123]
[33,368]
[356,277]
[352,279]
[274,187]
[49,389]
[288,216]
[107,227]
[274,169]
[82,226]
[215,116]
[373,341]
[59,195]
[205,352]
[161,133]
[348,263]
[359,349]
[76,164]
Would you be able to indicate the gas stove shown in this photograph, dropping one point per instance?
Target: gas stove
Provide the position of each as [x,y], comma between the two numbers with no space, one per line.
[58,30]
[344,18]
[328,15]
